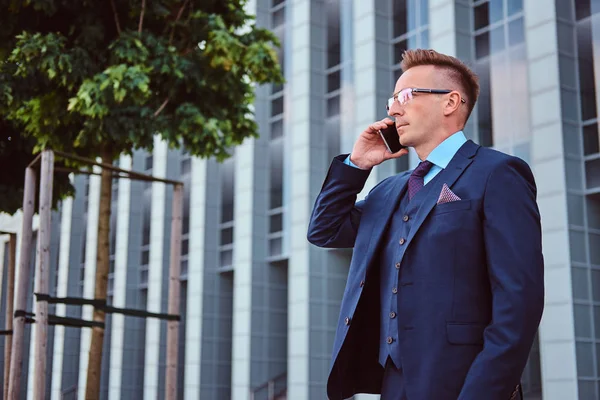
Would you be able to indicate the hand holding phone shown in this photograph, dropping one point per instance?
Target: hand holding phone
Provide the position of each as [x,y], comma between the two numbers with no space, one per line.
[377,143]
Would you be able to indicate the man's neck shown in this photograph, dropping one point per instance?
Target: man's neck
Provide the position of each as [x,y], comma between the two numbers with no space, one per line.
[426,148]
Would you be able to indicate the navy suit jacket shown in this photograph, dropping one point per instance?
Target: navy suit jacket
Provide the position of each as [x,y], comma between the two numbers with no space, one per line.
[471,286]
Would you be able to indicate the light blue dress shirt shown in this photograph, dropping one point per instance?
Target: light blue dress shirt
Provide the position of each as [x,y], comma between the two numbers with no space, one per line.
[440,156]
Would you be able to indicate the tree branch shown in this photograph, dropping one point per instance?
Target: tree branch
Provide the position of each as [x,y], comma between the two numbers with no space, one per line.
[162,106]
[177,20]
[114,9]
[142,17]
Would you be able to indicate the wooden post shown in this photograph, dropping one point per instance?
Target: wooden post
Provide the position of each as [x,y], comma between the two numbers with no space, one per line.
[174,288]
[42,275]
[10,297]
[16,362]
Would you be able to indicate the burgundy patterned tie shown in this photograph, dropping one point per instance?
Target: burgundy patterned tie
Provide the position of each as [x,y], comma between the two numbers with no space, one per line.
[415,182]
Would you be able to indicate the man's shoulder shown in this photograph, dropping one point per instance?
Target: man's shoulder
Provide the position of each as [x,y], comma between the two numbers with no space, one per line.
[493,159]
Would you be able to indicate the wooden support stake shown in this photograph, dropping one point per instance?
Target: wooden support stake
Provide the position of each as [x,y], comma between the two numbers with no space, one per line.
[10,297]
[174,289]
[42,275]
[16,362]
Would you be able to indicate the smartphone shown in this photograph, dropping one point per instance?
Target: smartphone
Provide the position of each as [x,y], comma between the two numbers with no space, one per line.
[391,139]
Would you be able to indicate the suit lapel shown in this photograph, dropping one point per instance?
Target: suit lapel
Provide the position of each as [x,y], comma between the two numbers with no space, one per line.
[458,164]
[381,218]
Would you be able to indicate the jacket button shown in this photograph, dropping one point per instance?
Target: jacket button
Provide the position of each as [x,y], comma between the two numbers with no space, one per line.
[397,265]
[405,218]
[394,290]
[362,283]
[389,340]
[347,320]
[402,241]
[392,315]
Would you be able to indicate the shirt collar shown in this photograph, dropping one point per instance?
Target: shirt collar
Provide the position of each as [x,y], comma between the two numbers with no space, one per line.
[444,152]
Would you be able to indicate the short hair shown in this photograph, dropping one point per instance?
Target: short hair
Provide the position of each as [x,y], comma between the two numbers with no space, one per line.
[454,69]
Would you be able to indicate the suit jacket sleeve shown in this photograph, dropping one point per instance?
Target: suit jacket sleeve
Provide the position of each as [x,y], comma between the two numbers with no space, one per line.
[336,215]
[513,242]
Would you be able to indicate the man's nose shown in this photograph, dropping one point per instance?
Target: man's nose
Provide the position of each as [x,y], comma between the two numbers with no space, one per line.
[396,109]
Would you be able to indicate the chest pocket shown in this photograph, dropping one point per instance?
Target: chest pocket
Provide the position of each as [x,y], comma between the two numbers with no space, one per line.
[451,206]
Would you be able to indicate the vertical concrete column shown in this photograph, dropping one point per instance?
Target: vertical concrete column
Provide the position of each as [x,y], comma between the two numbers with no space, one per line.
[156,269]
[89,277]
[557,337]
[122,245]
[61,291]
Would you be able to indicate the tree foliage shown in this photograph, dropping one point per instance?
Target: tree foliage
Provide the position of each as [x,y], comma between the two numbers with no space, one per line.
[87,76]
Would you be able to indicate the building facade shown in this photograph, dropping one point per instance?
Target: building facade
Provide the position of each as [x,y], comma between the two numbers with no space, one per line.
[259,303]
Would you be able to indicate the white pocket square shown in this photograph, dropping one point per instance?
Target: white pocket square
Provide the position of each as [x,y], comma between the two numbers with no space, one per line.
[447,195]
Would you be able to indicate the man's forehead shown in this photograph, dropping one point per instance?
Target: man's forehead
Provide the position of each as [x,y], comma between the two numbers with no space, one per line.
[420,76]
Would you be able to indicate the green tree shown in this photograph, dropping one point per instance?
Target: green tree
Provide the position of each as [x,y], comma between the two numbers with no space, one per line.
[100,79]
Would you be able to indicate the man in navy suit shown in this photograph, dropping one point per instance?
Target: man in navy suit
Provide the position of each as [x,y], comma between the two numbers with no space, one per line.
[446,286]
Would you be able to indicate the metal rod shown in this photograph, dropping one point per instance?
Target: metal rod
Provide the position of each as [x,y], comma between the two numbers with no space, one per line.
[16,362]
[133,174]
[42,275]
[174,288]
[35,161]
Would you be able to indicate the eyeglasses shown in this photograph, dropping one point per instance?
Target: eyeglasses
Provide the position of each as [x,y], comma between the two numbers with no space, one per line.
[405,95]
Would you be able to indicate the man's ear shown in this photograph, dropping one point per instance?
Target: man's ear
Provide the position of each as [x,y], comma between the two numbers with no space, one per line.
[452,104]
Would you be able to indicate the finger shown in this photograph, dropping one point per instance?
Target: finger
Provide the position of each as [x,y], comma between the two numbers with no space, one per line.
[390,156]
[388,121]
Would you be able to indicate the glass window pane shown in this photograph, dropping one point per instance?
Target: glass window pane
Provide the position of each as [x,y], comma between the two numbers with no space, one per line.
[333,81]
[582,9]
[184,268]
[424,39]
[594,246]
[586,388]
[482,45]
[583,325]
[227,190]
[226,236]
[277,106]
[275,247]
[577,241]
[277,2]
[514,6]
[185,247]
[497,39]
[226,258]
[592,174]
[424,12]
[516,32]
[587,84]
[333,33]
[481,16]
[278,17]
[399,48]
[276,223]
[277,129]
[591,143]
[496,12]
[484,107]
[186,166]
[332,129]
[333,106]
[579,282]
[585,361]
[276,173]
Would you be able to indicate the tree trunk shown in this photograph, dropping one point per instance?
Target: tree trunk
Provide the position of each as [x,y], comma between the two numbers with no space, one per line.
[92,389]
